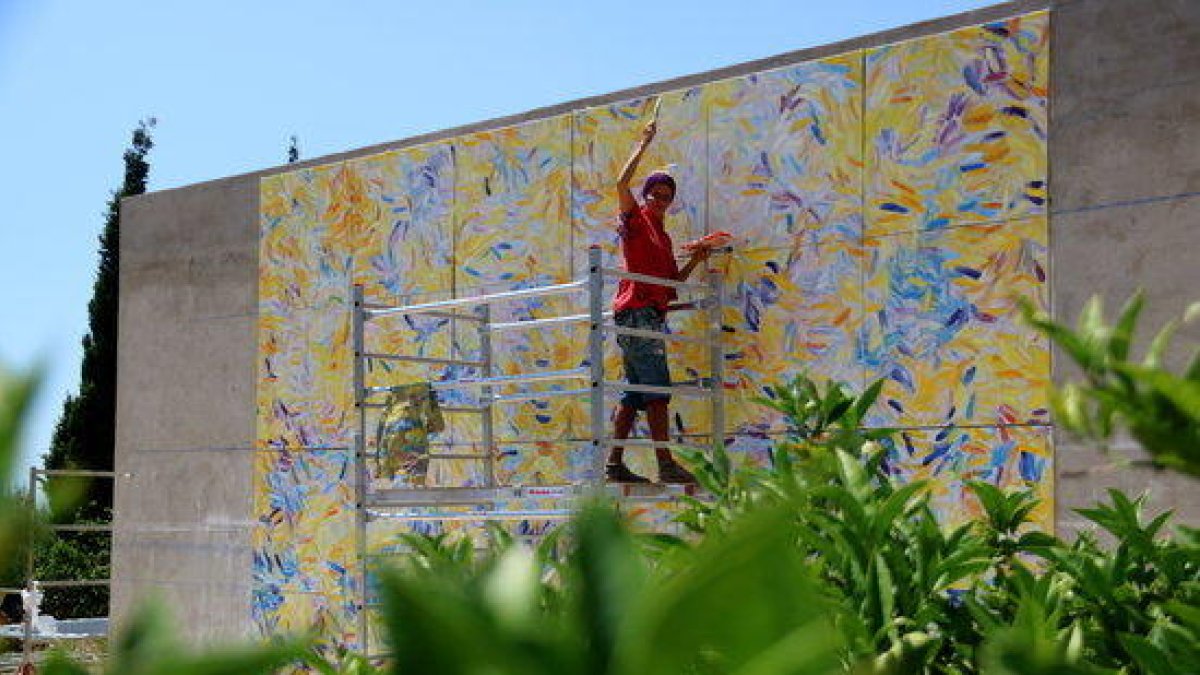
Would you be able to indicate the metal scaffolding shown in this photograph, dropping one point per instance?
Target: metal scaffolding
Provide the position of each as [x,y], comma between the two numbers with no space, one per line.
[596,385]
[72,629]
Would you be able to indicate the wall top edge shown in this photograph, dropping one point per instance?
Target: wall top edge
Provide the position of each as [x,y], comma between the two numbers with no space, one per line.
[881,38]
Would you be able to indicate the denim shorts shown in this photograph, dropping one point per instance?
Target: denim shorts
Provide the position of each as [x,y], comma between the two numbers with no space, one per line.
[645,359]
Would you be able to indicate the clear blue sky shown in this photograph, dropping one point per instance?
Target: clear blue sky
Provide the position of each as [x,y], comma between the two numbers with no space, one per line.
[229,82]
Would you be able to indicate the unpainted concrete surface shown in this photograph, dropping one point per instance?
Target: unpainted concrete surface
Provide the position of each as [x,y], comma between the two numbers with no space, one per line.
[1125,204]
[185,406]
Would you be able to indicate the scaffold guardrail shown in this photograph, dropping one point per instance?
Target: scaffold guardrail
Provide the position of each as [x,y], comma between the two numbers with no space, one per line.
[405,504]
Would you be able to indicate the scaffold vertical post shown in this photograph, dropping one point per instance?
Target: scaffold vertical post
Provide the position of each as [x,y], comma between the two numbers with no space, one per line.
[596,360]
[27,616]
[717,355]
[361,485]
[487,395]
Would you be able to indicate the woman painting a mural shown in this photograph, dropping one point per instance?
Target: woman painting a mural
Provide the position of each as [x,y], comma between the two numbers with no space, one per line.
[647,249]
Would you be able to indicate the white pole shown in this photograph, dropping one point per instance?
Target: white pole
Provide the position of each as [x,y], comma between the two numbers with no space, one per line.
[361,485]
[717,357]
[596,361]
[487,395]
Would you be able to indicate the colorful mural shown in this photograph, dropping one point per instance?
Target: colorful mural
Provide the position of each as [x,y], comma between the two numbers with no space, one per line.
[785,154]
[887,207]
[943,326]
[956,127]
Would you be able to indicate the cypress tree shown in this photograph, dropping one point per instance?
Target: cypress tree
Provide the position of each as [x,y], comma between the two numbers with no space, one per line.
[85,435]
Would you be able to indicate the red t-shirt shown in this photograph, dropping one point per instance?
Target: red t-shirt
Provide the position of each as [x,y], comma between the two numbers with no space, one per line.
[648,250]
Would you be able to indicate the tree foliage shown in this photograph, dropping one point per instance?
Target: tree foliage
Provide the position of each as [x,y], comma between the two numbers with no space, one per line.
[85,435]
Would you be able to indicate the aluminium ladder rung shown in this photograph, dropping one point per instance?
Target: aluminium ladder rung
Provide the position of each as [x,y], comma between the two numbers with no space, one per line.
[81,528]
[444,496]
[436,314]
[535,323]
[556,289]
[616,387]
[422,359]
[649,443]
[76,473]
[74,583]
[653,334]
[653,280]
[538,395]
[444,408]
[531,514]
[459,496]
[584,318]
[498,380]
[436,455]
[689,305]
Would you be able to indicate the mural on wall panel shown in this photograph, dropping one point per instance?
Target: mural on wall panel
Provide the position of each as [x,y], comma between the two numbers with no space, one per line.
[408,244]
[943,325]
[888,207]
[785,154]
[332,618]
[313,223]
[1005,456]
[305,362]
[603,139]
[304,538]
[512,201]
[788,311]
[956,126]
[303,263]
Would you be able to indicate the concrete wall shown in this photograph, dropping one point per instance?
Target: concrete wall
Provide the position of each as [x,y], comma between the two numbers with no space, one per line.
[1125,188]
[185,404]
[1125,200]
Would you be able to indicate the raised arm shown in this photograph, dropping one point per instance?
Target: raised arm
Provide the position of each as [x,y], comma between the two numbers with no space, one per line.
[699,255]
[624,194]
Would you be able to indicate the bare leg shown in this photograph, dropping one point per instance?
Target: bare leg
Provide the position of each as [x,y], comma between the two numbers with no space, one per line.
[660,428]
[622,426]
[669,471]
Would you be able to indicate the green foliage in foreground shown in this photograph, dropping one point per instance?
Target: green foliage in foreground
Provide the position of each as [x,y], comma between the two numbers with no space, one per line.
[821,555]
[820,563]
[16,397]
[1160,408]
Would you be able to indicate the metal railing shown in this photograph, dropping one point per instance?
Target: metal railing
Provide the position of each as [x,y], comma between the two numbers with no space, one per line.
[382,504]
[33,585]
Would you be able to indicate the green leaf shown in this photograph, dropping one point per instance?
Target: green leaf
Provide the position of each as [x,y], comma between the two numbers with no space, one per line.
[803,651]
[1192,312]
[1192,372]
[1151,659]
[752,574]
[993,502]
[16,397]
[1090,325]
[867,399]
[852,472]
[896,504]
[838,410]
[886,588]
[610,578]
[1158,347]
[1122,335]
[1183,393]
